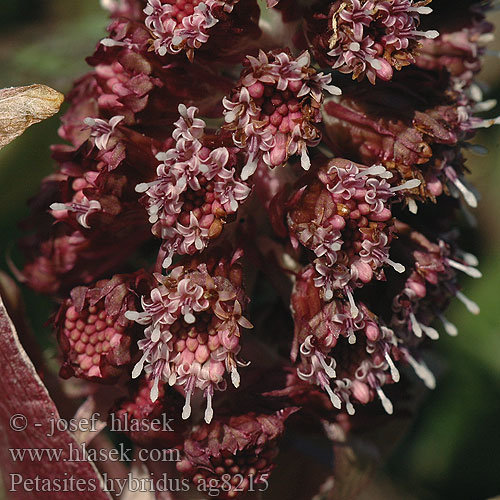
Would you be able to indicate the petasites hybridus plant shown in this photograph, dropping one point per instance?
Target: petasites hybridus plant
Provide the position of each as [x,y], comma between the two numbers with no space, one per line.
[252,226]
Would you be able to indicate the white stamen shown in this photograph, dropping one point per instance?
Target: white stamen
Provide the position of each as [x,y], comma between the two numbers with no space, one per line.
[486,38]
[468,303]
[162,156]
[139,365]
[468,195]
[354,309]
[189,318]
[486,123]
[449,327]
[415,326]
[432,333]
[89,121]
[386,402]
[155,336]
[378,170]
[412,206]
[329,369]
[332,89]
[487,105]
[350,408]
[142,187]
[58,206]
[209,412]
[176,40]
[469,270]
[399,268]
[422,372]
[352,338]
[476,92]
[235,377]
[477,149]
[469,258]
[394,371]
[186,410]
[336,401]
[430,34]
[305,161]
[374,63]
[230,117]
[109,42]
[249,168]
[172,379]
[411,184]
[154,390]
[421,10]
[132,315]
[354,46]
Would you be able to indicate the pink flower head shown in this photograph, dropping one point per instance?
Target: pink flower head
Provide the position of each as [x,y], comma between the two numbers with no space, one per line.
[185,25]
[239,450]
[344,217]
[93,333]
[347,353]
[196,188]
[273,110]
[193,322]
[368,37]
[101,130]
[461,43]
[430,286]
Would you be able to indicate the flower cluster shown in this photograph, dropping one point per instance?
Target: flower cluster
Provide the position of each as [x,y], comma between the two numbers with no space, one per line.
[193,331]
[368,37]
[240,450]
[273,110]
[344,217]
[93,332]
[180,25]
[209,147]
[196,188]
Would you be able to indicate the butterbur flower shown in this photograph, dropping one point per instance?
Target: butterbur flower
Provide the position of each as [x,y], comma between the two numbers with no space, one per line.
[239,451]
[367,37]
[95,336]
[344,217]
[423,139]
[462,42]
[187,26]
[274,110]
[344,351]
[208,146]
[430,286]
[196,188]
[193,326]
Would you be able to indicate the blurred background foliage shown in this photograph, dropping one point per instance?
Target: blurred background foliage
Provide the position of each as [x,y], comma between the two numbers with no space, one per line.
[453,448]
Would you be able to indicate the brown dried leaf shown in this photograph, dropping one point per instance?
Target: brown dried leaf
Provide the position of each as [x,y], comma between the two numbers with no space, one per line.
[21,107]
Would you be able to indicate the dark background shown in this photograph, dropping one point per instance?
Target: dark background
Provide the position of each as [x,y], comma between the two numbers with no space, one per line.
[453,448]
